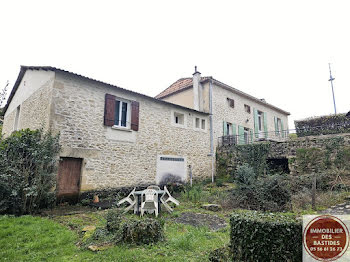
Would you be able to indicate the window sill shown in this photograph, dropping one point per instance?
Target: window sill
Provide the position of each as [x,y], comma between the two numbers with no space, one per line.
[179,125]
[121,128]
[200,130]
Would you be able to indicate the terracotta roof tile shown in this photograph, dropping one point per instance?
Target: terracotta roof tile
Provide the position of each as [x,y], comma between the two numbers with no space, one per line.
[180,84]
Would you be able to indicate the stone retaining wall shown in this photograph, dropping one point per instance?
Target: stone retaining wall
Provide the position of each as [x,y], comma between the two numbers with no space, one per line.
[307,154]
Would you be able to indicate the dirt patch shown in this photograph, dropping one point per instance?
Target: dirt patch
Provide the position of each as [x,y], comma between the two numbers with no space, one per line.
[65,210]
[199,219]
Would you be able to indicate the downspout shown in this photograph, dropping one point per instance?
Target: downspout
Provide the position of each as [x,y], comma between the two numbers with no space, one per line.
[211,129]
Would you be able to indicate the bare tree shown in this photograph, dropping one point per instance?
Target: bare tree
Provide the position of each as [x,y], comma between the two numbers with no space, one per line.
[3,94]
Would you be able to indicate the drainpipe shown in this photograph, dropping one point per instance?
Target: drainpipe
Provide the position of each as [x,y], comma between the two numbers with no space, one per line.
[211,128]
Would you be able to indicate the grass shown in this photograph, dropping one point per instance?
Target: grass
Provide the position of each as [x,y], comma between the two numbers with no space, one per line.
[60,237]
[29,238]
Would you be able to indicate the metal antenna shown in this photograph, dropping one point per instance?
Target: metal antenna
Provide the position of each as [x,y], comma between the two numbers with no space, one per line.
[331,80]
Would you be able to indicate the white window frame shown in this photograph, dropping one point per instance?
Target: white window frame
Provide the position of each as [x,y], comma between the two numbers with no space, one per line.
[200,127]
[128,114]
[199,122]
[203,124]
[178,112]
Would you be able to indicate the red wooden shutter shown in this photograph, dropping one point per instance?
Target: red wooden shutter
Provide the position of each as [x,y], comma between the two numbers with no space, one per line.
[109,110]
[135,116]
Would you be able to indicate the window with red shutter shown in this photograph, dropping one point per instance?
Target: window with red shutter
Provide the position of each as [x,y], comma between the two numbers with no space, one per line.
[135,116]
[109,110]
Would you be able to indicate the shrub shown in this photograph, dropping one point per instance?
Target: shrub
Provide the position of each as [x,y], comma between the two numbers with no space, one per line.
[114,220]
[220,255]
[259,236]
[133,231]
[264,193]
[144,231]
[276,193]
[28,162]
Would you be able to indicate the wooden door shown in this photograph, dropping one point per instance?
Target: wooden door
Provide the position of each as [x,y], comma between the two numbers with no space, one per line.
[68,180]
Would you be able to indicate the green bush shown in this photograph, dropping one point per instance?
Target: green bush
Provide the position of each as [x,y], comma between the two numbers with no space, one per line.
[276,195]
[263,193]
[144,231]
[259,236]
[220,255]
[114,220]
[28,162]
[123,229]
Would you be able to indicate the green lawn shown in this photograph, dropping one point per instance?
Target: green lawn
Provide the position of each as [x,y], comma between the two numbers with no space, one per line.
[30,238]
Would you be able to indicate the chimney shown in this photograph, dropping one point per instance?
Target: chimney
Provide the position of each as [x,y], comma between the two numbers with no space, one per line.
[197,90]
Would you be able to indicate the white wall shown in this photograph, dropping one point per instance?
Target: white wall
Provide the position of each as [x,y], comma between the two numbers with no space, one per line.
[31,82]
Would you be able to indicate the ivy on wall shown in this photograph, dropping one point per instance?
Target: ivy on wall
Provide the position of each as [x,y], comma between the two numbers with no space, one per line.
[255,155]
[327,155]
[334,155]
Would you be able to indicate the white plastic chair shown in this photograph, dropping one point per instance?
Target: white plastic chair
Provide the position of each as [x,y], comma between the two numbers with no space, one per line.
[150,204]
[166,197]
[128,199]
[153,187]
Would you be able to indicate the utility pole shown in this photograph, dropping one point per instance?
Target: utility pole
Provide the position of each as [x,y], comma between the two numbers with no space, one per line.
[331,80]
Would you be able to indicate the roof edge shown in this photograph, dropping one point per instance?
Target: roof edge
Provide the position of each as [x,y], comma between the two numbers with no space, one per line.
[230,88]
[54,69]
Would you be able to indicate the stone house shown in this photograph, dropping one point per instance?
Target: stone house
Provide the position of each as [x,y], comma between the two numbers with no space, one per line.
[111,137]
[231,111]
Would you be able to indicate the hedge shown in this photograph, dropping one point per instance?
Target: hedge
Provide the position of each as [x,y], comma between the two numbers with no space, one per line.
[323,125]
[257,236]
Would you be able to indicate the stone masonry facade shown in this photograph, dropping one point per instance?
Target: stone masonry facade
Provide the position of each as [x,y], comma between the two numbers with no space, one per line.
[118,158]
[73,106]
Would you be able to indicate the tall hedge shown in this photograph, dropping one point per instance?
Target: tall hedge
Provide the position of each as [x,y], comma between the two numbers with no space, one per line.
[332,124]
[28,162]
[257,236]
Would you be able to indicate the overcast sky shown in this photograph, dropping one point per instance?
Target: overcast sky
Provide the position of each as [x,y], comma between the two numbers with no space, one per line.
[277,50]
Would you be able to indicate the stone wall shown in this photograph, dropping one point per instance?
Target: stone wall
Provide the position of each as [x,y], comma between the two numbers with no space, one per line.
[237,115]
[121,158]
[306,154]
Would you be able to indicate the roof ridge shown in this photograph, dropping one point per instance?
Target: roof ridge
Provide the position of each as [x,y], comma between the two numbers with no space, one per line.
[23,69]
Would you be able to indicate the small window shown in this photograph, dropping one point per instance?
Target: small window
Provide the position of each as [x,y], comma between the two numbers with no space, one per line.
[197,122]
[179,118]
[231,102]
[247,109]
[15,127]
[203,123]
